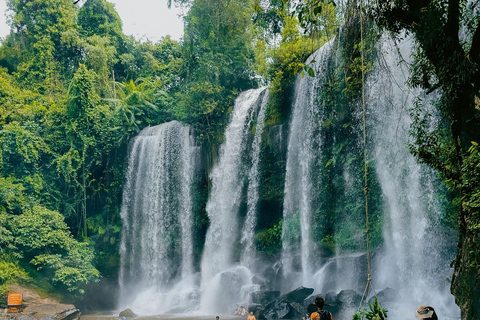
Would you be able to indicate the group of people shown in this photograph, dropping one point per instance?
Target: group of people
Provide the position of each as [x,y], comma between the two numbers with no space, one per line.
[423,312]
[240,311]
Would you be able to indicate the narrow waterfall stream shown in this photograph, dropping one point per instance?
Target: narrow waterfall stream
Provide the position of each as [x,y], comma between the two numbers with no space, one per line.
[222,275]
[249,228]
[304,148]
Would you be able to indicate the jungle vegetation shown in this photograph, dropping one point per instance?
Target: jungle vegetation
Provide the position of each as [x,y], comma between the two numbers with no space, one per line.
[74,89]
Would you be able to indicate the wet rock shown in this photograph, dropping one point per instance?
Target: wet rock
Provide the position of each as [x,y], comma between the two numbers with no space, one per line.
[273,276]
[255,308]
[264,297]
[127,313]
[347,303]
[388,295]
[280,309]
[330,298]
[277,136]
[231,282]
[299,307]
[298,295]
[256,279]
[311,308]
[349,298]
[53,311]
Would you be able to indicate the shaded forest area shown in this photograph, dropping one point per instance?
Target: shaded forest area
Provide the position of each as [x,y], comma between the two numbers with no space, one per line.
[74,89]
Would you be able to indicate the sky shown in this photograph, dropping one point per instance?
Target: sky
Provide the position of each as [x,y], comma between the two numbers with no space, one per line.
[144,19]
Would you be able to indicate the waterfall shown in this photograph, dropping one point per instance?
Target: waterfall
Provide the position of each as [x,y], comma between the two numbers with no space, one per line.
[416,253]
[304,150]
[248,232]
[413,260]
[157,258]
[157,212]
[228,177]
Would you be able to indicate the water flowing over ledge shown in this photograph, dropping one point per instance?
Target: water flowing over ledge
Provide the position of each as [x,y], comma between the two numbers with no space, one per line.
[158,269]
[157,213]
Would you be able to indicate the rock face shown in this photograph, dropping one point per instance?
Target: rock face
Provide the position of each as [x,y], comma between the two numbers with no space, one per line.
[349,298]
[298,295]
[30,297]
[289,306]
[280,309]
[263,297]
[127,313]
[466,278]
[387,295]
[47,312]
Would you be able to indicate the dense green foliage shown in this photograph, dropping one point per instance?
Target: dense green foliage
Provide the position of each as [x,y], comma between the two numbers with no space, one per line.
[217,55]
[74,89]
[343,148]
[373,312]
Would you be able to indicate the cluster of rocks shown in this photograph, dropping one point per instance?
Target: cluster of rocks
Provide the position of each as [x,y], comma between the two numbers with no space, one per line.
[297,303]
[56,311]
[37,308]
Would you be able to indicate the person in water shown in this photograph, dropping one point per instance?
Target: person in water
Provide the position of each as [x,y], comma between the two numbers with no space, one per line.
[251,316]
[320,314]
[243,311]
[426,312]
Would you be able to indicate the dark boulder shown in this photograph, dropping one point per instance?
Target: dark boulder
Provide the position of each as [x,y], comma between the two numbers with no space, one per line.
[387,295]
[298,295]
[349,298]
[127,313]
[255,308]
[280,309]
[299,307]
[264,297]
[311,308]
[330,298]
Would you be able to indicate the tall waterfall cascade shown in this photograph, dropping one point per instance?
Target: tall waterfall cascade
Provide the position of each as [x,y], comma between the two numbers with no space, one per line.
[157,216]
[304,148]
[249,228]
[413,259]
[222,274]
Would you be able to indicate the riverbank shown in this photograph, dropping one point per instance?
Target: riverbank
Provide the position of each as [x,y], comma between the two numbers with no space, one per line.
[104,316]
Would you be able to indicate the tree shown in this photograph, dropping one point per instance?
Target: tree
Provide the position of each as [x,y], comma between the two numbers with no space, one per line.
[43,238]
[134,105]
[451,63]
[45,32]
[99,17]
[218,55]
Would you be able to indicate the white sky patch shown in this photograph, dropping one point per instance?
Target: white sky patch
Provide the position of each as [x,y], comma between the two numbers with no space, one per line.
[144,19]
[149,19]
